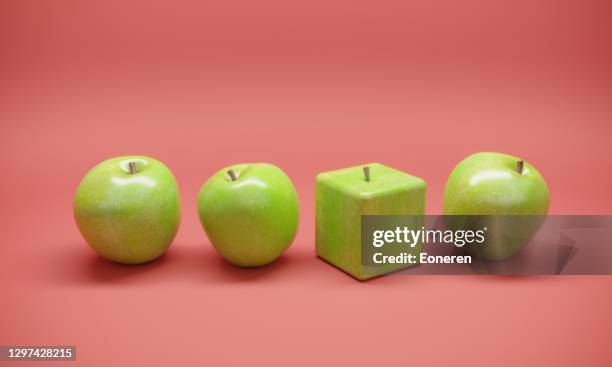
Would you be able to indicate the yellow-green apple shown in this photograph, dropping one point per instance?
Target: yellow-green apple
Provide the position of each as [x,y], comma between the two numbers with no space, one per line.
[127,209]
[249,213]
[501,192]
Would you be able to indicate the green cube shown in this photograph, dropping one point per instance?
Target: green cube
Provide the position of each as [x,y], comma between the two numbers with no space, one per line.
[344,195]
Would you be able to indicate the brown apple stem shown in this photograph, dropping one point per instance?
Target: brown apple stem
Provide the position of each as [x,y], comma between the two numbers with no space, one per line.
[519,166]
[366,173]
[132,167]
[232,175]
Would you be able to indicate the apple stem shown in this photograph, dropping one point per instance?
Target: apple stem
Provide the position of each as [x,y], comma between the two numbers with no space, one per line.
[366,173]
[519,166]
[232,175]
[132,167]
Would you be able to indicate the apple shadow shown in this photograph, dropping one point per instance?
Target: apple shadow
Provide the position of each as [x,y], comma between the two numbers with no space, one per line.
[79,266]
[224,270]
[182,263]
[102,270]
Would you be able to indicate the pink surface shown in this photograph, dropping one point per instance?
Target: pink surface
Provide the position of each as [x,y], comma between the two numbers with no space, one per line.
[309,86]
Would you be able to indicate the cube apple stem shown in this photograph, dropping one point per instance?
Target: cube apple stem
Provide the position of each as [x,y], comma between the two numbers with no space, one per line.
[366,173]
[132,168]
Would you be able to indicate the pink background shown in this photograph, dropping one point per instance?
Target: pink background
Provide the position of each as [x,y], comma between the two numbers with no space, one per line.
[310,86]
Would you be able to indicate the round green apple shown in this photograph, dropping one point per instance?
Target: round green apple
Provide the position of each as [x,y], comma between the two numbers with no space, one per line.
[127,209]
[500,192]
[249,212]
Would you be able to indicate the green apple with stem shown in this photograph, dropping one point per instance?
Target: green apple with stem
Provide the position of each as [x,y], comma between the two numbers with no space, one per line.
[127,209]
[501,192]
[249,212]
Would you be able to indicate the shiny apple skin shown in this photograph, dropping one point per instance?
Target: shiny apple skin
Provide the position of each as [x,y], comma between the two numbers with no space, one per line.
[128,218]
[489,184]
[250,221]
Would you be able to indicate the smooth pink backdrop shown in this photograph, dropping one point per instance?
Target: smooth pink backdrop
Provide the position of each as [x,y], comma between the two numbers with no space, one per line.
[310,86]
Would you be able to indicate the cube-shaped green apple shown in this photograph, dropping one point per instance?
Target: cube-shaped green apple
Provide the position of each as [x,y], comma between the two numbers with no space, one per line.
[343,196]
